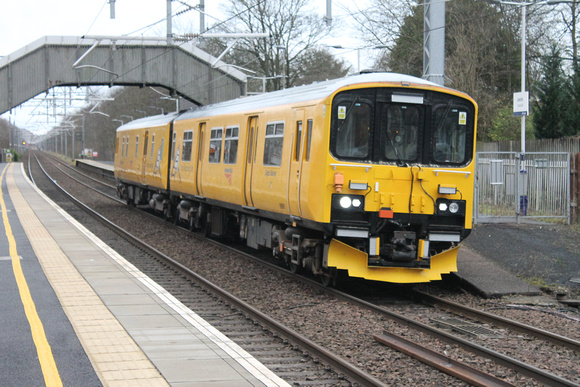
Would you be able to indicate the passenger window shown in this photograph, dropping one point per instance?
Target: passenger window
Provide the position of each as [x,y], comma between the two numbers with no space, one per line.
[273,144]
[298,140]
[309,135]
[173,147]
[137,147]
[187,145]
[215,145]
[152,145]
[123,148]
[231,145]
[146,144]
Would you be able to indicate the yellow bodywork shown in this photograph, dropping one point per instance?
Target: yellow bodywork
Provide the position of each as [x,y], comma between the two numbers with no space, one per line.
[345,257]
[140,156]
[300,188]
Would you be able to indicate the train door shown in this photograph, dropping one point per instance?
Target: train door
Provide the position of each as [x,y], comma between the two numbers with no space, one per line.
[199,162]
[144,157]
[295,165]
[252,138]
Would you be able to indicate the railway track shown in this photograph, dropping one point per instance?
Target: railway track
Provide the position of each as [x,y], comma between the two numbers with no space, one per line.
[475,378]
[292,356]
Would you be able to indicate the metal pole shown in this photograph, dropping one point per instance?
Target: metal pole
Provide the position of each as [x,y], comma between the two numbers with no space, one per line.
[10,137]
[523,79]
[201,16]
[169,29]
[83,136]
[522,187]
[112,8]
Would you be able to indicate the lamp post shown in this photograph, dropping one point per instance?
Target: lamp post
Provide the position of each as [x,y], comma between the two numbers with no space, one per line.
[339,47]
[521,108]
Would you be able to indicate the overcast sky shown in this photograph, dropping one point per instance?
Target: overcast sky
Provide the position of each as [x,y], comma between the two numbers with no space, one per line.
[22,22]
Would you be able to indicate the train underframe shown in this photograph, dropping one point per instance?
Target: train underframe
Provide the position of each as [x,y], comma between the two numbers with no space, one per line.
[402,245]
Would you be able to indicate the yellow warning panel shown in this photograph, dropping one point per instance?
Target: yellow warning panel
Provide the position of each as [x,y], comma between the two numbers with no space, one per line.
[345,257]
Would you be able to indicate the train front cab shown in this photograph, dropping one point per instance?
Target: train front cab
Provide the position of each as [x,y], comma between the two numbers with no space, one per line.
[141,166]
[400,182]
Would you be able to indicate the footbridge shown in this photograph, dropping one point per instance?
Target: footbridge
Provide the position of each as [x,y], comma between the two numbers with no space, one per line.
[52,61]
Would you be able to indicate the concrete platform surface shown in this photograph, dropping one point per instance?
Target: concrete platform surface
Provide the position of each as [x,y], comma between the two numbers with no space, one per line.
[134,332]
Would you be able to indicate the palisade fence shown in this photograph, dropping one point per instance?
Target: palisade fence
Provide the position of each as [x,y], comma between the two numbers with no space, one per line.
[542,184]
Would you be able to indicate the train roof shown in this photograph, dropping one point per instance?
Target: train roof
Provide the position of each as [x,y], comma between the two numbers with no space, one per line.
[158,120]
[299,94]
[292,95]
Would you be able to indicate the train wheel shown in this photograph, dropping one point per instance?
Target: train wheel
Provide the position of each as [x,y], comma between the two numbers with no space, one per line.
[176,217]
[206,228]
[329,277]
[295,268]
[167,214]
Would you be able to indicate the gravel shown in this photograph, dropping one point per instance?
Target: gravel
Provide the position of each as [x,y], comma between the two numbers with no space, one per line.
[348,330]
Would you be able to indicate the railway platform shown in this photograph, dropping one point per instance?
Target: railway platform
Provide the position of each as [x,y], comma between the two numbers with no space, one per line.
[74,312]
[486,278]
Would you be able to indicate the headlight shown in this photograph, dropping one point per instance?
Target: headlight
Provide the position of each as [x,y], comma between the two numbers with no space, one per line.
[345,202]
[450,207]
[453,207]
[348,208]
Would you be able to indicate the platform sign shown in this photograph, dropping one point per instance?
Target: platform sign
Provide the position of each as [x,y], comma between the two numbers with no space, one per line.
[522,103]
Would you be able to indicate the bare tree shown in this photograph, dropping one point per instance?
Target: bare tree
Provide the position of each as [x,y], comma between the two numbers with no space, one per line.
[294,29]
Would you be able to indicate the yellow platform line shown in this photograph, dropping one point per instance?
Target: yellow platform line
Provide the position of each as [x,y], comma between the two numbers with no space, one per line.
[47,363]
[116,358]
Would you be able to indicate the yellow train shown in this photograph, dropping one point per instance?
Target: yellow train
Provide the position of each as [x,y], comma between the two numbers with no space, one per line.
[371,174]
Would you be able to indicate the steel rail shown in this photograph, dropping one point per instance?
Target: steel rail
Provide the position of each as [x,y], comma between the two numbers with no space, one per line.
[76,170]
[443,363]
[500,321]
[525,369]
[509,362]
[340,365]
[114,198]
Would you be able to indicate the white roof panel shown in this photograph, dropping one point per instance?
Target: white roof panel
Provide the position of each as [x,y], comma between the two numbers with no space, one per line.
[299,94]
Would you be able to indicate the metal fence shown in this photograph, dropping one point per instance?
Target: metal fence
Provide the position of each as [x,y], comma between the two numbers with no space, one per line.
[509,186]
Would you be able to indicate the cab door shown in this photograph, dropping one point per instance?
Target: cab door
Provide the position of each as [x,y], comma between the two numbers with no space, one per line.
[295,165]
[199,162]
[252,139]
